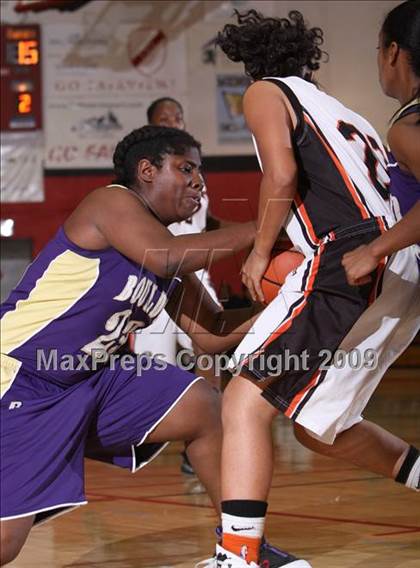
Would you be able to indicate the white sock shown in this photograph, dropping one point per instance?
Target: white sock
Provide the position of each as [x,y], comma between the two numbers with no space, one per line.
[251,527]
[409,474]
[413,480]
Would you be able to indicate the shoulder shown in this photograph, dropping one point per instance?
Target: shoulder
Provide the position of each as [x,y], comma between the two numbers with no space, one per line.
[404,142]
[266,105]
[112,196]
[106,202]
[404,136]
[262,88]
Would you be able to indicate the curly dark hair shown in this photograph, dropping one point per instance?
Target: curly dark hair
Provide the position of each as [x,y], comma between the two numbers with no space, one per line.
[402,25]
[151,142]
[277,47]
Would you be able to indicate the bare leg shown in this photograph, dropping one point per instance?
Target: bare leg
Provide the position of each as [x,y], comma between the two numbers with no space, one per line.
[365,444]
[13,536]
[247,454]
[196,420]
[209,374]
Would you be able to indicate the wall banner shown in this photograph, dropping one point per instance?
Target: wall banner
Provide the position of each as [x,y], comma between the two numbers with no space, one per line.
[98,84]
[230,117]
[22,174]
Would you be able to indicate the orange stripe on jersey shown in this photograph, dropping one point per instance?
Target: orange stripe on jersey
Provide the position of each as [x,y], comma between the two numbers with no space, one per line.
[314,270]
[296,400]
[285,325]
[381,224]
[305,218]
[364,212]
[277,332]
[381,264]
[131,341]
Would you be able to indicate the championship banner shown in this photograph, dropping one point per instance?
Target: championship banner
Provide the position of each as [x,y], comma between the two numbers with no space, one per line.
[22,155]
[99,82]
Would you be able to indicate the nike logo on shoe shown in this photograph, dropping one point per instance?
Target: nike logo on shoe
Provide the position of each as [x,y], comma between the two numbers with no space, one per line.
[237,529]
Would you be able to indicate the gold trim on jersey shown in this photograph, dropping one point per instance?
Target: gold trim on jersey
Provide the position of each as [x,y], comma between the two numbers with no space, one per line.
[9,368]
[111,185]
[396,116]
[67,279]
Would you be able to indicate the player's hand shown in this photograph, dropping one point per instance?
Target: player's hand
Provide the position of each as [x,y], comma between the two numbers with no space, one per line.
[359,264]
[252,272]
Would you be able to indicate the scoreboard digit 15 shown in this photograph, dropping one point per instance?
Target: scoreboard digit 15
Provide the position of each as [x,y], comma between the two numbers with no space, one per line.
[21,108]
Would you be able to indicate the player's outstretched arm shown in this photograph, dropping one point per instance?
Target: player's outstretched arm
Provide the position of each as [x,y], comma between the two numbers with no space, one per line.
[116,218]
[209,326]
[359,263]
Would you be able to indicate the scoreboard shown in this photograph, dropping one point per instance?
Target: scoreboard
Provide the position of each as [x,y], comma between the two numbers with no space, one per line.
[21,102]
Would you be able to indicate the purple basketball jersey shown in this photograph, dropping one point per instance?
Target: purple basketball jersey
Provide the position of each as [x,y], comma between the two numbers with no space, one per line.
[404,186]
[75,305]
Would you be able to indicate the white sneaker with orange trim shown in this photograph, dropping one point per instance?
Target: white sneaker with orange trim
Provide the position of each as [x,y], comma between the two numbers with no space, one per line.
[226,559]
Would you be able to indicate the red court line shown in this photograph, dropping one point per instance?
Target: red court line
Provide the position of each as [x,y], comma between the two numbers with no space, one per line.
[313,471]
[140,484]
[408,531]
[99,498]
[274,486]
[95,562]
[327,482]
[344,521]
[274,513]
[157,496]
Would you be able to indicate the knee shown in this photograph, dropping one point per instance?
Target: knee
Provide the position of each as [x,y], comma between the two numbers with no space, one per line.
[210,404]
[11,545]
[242,404]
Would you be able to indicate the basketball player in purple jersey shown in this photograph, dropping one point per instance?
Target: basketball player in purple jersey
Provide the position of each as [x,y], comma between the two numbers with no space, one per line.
[399,75]
[167,111]
[325,181]
[111,269]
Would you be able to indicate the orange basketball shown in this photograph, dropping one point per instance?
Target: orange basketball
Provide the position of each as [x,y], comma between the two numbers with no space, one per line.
[275,275]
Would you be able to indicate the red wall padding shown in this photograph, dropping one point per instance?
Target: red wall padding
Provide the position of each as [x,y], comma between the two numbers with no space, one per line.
[233,196]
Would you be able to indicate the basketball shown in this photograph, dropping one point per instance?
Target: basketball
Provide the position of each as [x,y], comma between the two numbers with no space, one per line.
[280,266]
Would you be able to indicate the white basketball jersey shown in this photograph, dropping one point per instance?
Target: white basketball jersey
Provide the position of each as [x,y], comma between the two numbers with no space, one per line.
[341,162]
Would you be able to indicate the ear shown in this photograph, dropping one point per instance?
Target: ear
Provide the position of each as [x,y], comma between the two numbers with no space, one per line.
[146,171]
[393,53]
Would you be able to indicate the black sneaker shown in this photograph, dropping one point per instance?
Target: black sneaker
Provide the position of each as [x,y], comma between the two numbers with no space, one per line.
[186,466]
[273,557]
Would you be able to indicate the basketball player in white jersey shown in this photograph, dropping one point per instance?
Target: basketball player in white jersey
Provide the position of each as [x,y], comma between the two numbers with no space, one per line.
[325,182]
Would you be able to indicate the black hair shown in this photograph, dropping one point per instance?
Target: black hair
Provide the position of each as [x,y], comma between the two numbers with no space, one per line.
[402,25]
[277,47]
[152,143]
[153,106]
